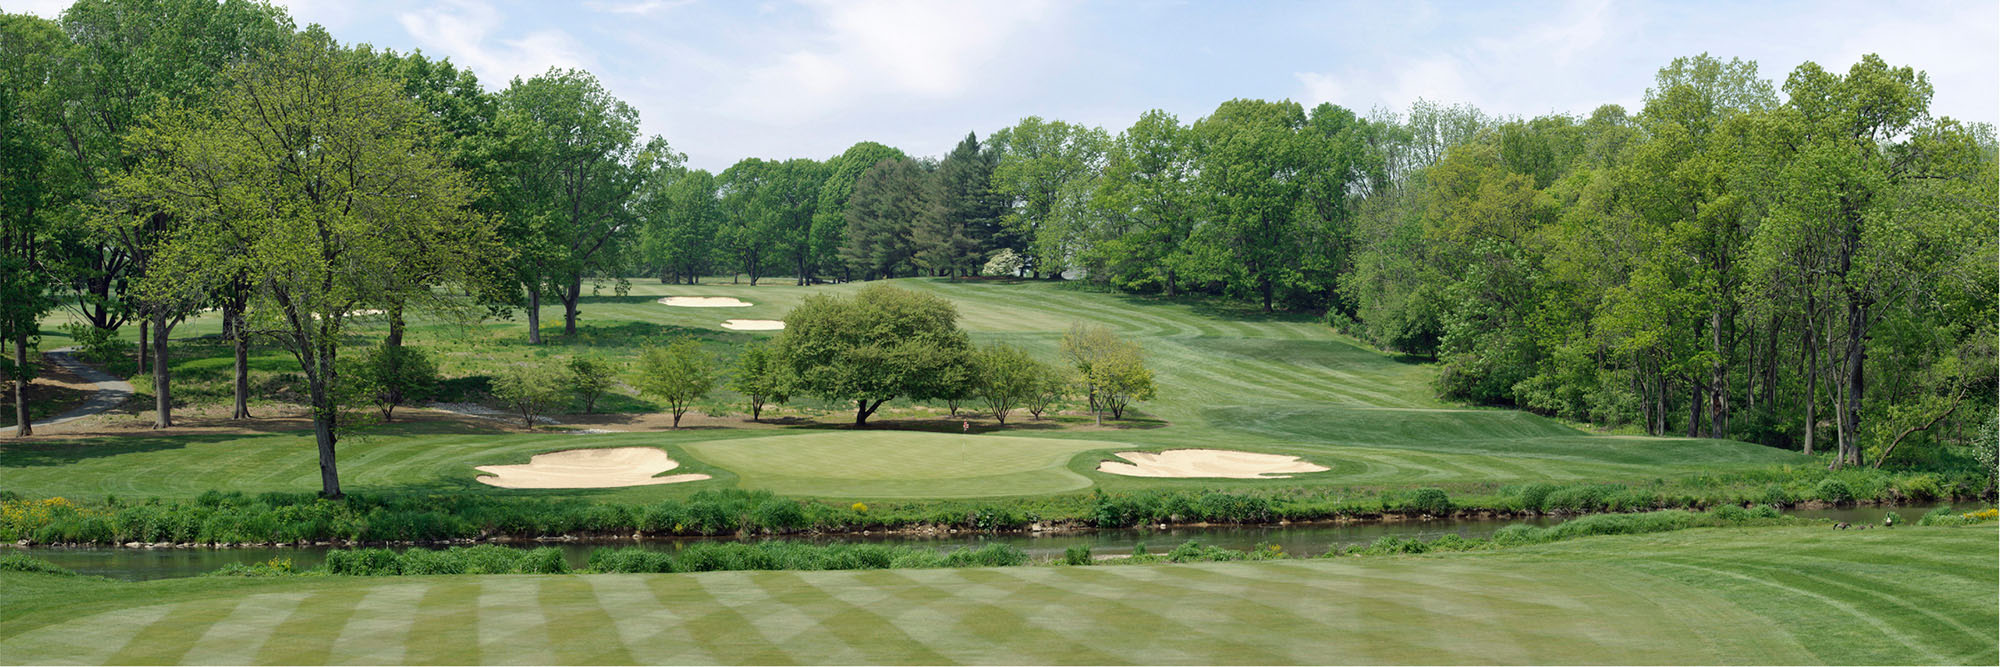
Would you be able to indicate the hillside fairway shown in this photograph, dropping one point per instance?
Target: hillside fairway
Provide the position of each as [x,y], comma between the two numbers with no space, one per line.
[1711,596]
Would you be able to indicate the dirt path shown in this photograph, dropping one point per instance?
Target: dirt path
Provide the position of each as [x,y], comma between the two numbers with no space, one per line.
[111,392]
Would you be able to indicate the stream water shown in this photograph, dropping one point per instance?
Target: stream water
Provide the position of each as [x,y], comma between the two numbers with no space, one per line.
[1297,539]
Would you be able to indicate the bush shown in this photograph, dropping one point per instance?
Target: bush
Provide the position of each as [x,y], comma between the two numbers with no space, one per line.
[1076,555]
[26,563]
[1919,488]
[1535,496]
[1943,516]
[780,515]
[1834,490]
[276,567]
[1193,552]
[392,375]
[588,379]
[362,562]
[1775,494]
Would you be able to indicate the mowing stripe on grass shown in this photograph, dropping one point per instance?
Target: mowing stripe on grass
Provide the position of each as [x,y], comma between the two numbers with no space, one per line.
[1180,629]
[165,640]
[377,631]
[581,629]
[87,641]
[1890,632]
[717,620]
[306,636]
[238,638]
[869,637]
[645,626]
[513,627]
[445,629]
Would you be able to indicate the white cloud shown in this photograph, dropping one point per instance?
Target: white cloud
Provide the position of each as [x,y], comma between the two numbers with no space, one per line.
[857,52]
[465,31]
[639,8]
[48,9]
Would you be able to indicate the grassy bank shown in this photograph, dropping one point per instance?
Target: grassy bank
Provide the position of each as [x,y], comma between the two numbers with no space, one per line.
[291,518]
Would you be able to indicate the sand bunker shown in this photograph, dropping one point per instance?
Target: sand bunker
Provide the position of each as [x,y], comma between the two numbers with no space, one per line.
[705,302]
[753,325]
[1207,463]
[588,469]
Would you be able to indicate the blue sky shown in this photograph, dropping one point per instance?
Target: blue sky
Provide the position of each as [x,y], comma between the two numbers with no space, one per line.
[778,79]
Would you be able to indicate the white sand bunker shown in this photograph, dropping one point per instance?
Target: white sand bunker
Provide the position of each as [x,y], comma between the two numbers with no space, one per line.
[753,325]
[588,469]
[705,302]
[1207,463]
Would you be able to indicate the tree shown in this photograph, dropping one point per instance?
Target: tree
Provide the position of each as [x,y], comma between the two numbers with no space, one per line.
[680,374]
[588,380]
[1254,164]
[570,161]
[829,225]
[27,49]
[392,375]
[682,222]
[317,178]
[1148,196]
[791,197]
[882,343]
[1110,370]
[749,237]
[1049,390]
[529,389]
[1006,377]
[965,215]
[760,377]
[1045,173]
[888,202]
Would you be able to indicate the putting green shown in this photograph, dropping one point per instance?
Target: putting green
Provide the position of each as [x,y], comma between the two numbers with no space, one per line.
[900,464]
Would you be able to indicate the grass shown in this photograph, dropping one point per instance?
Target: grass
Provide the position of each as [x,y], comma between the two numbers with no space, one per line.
[1229,378]
[1741,596]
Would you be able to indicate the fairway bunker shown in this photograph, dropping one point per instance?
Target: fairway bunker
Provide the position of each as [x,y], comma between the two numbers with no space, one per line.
[1207,463]
[588,469]
[753,325]
[705,302]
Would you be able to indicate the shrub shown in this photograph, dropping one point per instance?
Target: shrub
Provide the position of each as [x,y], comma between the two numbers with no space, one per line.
[392,375]
[1192,551]
[1729,513]
[1943,516]
[588,379]
[1920,488]
[1776,495]
[1834,490]
[780,515]
[26,563]
[276,567]
[1076,555]
[1519,533]
[1535,496]
[362,562]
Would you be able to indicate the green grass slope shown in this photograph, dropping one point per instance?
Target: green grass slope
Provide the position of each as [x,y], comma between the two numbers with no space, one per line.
[1734,596]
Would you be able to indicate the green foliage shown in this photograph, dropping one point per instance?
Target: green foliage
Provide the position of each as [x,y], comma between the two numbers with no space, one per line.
[529,389]
[1426,501]
[883,343]
[1944,516]
[96,345]
[392,375]
[1077,555]
[588,379]
[761,377]
[679,374]
[26,563]
[1834,490]
[1111,371]
[1006,377]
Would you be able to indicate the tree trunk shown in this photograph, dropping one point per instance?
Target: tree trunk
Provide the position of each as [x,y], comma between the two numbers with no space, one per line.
[145,347]
[329,473]
[862,410]
[569,299]
[1720,327]
[22,428]
[396,324]
[163,398]
[241,343]
[535,315]
[1265,285]
[1856,356]
[1694,409]
[1170,283]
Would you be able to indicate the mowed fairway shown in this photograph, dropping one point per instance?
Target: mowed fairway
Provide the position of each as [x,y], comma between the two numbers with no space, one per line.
[1753,596]
[899,464]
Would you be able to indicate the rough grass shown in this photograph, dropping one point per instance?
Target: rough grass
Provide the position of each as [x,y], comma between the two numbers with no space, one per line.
[1708,596]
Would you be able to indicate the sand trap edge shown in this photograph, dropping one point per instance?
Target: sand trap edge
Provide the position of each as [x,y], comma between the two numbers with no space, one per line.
[1183,463]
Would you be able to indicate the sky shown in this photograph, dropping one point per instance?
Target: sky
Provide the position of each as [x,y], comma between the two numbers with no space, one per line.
[726,80]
